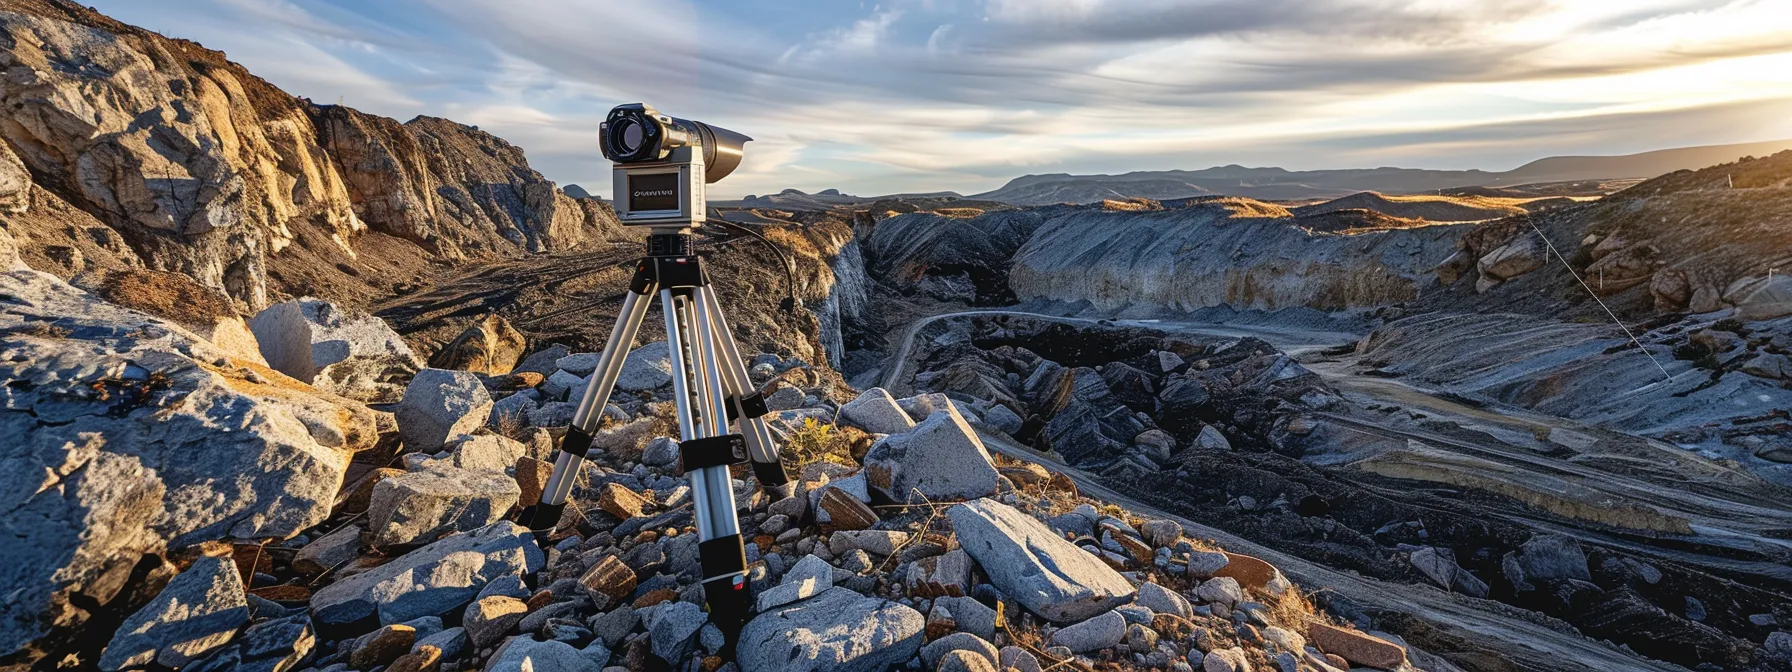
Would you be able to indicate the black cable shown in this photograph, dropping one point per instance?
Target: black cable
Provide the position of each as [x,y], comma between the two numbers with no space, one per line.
[789,302]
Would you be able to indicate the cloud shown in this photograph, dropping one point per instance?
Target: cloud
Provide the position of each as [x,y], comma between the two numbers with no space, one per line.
[922,95]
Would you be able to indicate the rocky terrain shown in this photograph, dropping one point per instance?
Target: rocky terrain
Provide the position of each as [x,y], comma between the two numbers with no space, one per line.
[903,544]
[125,149]
[280,376]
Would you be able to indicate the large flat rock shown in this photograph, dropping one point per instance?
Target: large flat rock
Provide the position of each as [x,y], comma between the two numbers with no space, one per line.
[113,448]
[429,581]
[836,631]
[1049,576]
[197,612]
[421,506]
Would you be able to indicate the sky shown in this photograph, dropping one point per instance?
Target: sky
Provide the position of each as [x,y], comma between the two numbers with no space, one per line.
[962,95]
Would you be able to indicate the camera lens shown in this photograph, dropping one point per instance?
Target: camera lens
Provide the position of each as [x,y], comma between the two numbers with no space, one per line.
[629,136]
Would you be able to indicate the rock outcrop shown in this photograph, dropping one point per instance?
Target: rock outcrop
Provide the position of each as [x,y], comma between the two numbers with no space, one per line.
[1225,251]
[182,161]
[115,452]
[950,259]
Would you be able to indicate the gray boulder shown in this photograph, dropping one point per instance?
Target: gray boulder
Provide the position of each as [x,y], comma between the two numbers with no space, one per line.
[420,506]
[1164,601]
[1003,419]
[972,616]
[197,612]
[836,631]
[1553,556]
[647,368]
[660,452]
[327,552]
[543,361]
[522,653]
[876,411]
[484,452]
[941,460]
[511,410]
[440,404]
[1212,439]
[579,364]
[562,383]
[100,465]
[351,354]
[1033,565]
[673,630]
[1096,633]
[958,641]
[429,581]
[810,577]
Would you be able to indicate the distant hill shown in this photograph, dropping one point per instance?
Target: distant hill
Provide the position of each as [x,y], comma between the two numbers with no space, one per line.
[1644,165]
[576,191]
[794,199]
[1426,207]
[1278,183]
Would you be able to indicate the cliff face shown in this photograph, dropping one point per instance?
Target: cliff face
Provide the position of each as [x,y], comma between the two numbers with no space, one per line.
[1229,251]
[1690,241]
[183,161]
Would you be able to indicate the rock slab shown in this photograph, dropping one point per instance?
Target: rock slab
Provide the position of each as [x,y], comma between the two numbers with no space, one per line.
[836,631]
[351,354]
[429,581]
[199,610]
[1033,565]
[421,506]
[100,466]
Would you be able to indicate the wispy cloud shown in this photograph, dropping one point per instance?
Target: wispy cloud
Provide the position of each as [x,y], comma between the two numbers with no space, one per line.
[962,94]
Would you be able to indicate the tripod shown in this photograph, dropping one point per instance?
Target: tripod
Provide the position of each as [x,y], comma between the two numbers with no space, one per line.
[711,390]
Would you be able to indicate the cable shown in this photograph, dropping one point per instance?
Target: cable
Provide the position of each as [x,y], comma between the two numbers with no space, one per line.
[789,302]
[1595,295]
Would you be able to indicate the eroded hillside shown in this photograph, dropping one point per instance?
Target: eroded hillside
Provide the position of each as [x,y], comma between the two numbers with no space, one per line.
[124,148]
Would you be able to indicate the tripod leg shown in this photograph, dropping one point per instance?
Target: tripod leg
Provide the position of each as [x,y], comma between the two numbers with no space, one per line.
[748,404]
[720,549]
[545,514]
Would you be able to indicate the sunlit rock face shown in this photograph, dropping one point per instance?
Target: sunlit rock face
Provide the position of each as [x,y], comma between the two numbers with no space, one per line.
[1230,251]
[198,167]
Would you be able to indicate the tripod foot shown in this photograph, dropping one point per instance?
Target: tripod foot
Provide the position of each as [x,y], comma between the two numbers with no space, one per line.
[542,519]
[770,474]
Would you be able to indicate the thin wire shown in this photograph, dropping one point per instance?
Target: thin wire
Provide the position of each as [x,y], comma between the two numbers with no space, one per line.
[1595,295]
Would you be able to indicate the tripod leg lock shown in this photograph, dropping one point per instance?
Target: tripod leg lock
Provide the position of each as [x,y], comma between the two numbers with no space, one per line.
[751,406]
[715,451]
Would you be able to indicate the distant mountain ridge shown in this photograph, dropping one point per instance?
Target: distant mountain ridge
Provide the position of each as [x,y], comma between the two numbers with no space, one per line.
[1279,183]
[796,199]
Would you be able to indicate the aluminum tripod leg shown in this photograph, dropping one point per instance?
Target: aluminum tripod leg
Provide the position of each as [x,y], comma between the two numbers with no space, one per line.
[745,400]
[720,548]
[546,513]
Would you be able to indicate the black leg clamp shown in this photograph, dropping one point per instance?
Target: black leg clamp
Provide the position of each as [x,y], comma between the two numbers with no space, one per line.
[576,442]
[752,406]
[715,451]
